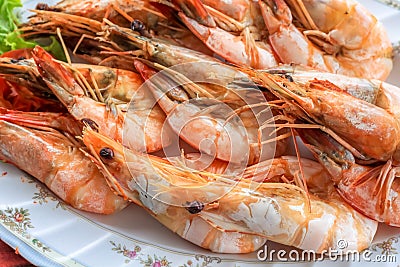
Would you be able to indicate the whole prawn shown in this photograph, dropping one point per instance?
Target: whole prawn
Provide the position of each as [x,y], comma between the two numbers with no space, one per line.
[144,122]
[233,31]
[249,49]
[357,141]
[184,199]
[376,92]
[352,42]
[352,121]
[370,189]
[141,16]
[381,94]
[31,142]
[224,121]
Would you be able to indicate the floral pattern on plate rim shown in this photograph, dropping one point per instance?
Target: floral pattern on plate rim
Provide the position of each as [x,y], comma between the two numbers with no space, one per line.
[17,220]
[147,260]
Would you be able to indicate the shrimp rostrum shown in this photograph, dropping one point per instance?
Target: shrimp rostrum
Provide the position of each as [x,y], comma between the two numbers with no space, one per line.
[189,201]
[357,141]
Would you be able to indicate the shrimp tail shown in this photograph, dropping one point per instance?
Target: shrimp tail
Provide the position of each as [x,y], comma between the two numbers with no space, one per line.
[368,189]
[275,13]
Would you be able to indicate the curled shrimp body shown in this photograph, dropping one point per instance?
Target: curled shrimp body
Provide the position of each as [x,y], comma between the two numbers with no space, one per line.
[358,124]
[48,155]
[232,30]
[217,120]
[370,189]
[139,15]
[349,140]
[144,122]
[351,42]
[175,217]
[180,198]
[381,94]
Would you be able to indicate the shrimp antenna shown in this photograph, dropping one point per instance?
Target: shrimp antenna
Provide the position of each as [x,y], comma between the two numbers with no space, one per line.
[304,182]
[63,46]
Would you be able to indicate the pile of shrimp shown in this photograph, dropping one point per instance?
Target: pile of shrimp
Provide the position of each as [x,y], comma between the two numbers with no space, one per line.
[186,108]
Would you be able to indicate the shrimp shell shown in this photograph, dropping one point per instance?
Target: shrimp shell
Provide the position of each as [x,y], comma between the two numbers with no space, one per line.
[57,162]
[277,211]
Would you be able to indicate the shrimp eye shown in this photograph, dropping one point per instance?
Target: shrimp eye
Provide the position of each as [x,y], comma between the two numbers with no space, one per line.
[106,153]
[42,6]
[289,78]
[46,7]
[137,26]
[194,207]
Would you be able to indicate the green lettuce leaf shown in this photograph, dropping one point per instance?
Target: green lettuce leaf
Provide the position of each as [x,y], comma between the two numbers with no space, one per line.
[10,38]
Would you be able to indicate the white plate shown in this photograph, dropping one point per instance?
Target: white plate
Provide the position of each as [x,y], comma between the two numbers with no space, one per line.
[49,233]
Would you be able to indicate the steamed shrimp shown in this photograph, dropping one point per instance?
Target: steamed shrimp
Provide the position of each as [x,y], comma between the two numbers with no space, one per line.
[183,200]
[27,141]
[141,126]
[234,31]
[140,15]
[106,41]
[177,218]
[348,135]
[372,190]
[376,92]
[351,42]
[367,130]
[219,119]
